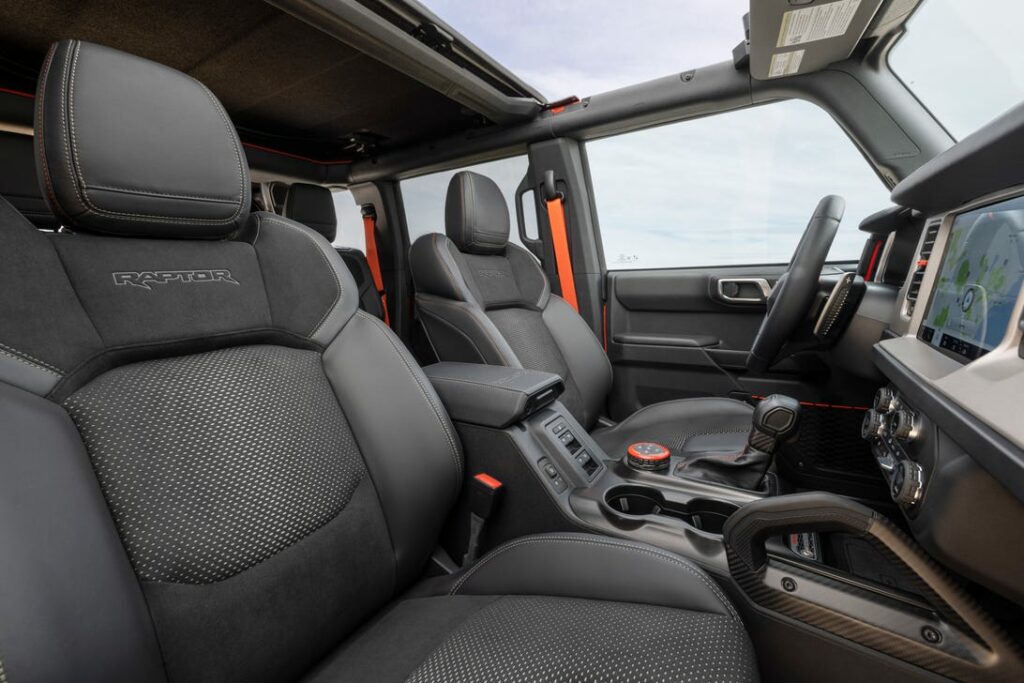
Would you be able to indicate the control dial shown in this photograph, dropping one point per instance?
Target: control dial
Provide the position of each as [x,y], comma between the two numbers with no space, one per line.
[885,400]
[873,426]
[647,455]
[907,483]
[903,425]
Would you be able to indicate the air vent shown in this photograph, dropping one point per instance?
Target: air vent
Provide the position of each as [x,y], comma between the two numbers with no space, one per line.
[917,276]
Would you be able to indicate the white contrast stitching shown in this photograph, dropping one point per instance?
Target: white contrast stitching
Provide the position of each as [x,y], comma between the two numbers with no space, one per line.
[640,549]
[29,360]
[77,173]
[330,267]
[143,191]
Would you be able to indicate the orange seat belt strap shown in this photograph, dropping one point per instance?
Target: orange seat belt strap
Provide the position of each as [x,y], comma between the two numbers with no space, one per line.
[563,258]
[373,260]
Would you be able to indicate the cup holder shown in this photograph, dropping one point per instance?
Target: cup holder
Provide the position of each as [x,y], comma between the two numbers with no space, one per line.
[632,502]
[710,515]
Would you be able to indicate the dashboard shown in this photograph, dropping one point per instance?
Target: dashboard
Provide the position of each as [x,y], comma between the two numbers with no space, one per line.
[947,430]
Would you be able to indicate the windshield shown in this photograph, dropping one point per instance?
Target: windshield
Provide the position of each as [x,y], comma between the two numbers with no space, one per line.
[963,60]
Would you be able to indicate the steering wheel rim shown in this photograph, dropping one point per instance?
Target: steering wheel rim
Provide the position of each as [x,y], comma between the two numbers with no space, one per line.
[793,294]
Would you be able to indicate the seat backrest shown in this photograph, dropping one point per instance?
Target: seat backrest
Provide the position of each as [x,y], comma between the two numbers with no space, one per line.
[313,205]
[200,474]
[18,184]
[484,300]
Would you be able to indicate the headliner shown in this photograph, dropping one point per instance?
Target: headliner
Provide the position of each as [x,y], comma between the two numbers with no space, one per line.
[286,85]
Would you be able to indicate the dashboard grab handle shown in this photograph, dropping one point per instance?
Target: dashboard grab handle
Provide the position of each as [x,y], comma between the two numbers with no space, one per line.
[747,529]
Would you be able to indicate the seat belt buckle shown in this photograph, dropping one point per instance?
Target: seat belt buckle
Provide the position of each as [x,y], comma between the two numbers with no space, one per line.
[484,494]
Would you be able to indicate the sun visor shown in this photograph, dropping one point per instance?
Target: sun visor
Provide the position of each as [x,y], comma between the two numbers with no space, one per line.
[791,37]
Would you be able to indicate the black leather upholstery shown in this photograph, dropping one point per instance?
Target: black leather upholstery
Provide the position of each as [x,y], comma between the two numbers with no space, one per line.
[128,415]
[475,214]
[18,183]
[494,305]
[98,171]
[491,395]
[686,426]
[312,205]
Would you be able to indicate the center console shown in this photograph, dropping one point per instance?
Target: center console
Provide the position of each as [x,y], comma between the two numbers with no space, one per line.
[776,554]
[559,478]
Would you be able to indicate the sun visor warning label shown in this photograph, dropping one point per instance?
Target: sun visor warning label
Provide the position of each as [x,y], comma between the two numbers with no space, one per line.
[816,23]
[785,63]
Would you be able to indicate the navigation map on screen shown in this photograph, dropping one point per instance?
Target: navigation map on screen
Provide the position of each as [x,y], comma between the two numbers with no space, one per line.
[979,281]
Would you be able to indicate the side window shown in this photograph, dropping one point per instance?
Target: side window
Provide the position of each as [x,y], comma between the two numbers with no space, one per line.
[350,222]
[731,189]
[423,196]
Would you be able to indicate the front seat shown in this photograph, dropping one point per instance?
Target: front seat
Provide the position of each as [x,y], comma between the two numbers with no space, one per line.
[313,206]
[484,300]
[201,478]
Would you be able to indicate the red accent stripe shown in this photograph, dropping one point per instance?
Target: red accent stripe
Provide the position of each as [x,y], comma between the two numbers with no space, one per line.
[488,481]
[812,404]
[665,453]
[282,153]
[874,260]
[19,93]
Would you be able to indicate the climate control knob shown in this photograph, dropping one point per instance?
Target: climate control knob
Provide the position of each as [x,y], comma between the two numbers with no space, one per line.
[873,426]
[903,425]
[885,400]
[907,483]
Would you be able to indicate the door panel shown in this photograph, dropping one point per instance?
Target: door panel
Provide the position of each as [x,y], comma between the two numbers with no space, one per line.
[680,333]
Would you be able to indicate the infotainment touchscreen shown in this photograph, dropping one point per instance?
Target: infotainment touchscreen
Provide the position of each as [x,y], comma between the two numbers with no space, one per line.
[978,282]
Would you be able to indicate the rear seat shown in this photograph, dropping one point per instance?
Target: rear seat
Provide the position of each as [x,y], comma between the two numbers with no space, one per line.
[18,182]
[313,206]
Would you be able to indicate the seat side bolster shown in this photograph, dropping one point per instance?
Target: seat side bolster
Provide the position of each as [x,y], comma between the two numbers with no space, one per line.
[70,605]
[435,271]
[407,441]
[466,332]
[587,361]
[594,567]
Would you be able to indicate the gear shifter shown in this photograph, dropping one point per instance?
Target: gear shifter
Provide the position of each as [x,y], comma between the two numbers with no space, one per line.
[776,419]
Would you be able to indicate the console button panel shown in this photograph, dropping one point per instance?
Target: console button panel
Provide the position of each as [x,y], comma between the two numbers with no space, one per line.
[563,434]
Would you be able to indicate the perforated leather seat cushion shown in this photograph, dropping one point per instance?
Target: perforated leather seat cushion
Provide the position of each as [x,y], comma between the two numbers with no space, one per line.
[213,462]
[535,639]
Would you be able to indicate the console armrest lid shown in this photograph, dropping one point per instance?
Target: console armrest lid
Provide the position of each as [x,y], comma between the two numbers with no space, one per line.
[492,395]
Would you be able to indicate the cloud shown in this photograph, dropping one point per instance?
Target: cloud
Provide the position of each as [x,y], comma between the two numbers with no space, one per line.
[583,47]
[729,189]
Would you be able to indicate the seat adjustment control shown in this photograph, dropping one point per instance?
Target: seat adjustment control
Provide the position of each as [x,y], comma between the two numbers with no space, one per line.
[552,474]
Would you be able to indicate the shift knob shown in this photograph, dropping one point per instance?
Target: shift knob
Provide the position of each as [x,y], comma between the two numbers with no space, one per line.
[776,419]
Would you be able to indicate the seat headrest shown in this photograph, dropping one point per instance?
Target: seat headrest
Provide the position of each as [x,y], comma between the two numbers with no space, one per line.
[475,214]
[133,148]
[18,183]
[313,206]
